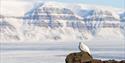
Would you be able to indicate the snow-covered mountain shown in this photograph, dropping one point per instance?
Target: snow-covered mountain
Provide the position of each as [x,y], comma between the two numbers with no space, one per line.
[122,22]
[9,28]
[59,21]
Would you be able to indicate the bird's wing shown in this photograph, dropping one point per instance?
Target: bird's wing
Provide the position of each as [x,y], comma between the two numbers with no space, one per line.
[85,48]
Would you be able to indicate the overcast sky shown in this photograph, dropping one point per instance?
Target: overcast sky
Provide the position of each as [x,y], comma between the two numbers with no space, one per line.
[113,3]
[9,7]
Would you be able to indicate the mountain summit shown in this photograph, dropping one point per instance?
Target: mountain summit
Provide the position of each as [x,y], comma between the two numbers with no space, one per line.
[59,21]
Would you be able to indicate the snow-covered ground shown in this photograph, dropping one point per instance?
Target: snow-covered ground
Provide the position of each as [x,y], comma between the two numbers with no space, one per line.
[55,52]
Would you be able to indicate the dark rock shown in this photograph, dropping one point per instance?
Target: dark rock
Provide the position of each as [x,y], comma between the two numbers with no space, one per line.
[96,61]
[84,57]
[80,57]
[123,61]
[110,61]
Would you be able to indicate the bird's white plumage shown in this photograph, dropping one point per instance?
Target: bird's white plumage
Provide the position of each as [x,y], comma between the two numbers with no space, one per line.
[84,48]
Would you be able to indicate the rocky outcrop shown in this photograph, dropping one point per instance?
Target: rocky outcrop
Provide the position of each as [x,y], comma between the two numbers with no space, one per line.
[84,57]
[106,61]
[79,57]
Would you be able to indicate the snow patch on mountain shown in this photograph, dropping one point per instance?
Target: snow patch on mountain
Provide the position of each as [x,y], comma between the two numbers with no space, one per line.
[59,21]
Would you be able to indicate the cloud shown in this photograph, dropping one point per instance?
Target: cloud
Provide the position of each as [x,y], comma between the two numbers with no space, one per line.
[14,7]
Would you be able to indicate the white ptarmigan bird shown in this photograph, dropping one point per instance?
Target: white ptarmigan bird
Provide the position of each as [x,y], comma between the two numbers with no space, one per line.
[84,48]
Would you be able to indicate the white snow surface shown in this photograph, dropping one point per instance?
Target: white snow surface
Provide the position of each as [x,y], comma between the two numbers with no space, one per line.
[56,51]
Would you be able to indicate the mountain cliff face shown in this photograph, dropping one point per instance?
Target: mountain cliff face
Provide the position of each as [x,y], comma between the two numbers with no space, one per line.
[58,21]
[7,30]
[122,23]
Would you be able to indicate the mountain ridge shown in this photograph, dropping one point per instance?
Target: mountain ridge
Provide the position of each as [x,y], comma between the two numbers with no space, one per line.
[58,21]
